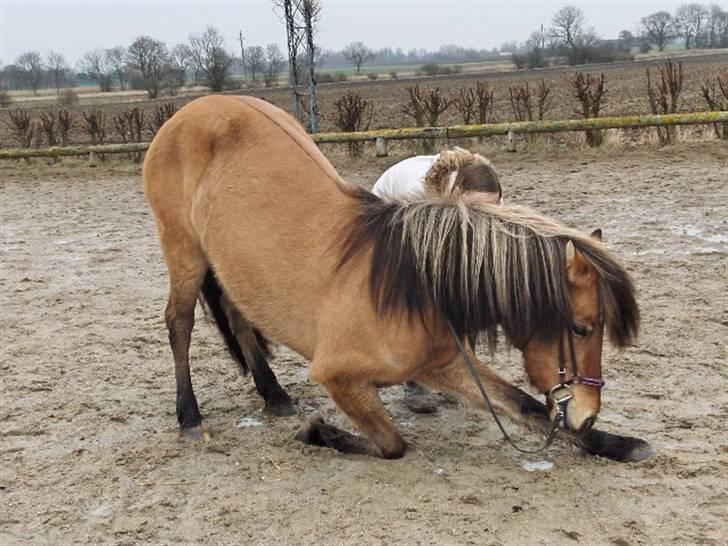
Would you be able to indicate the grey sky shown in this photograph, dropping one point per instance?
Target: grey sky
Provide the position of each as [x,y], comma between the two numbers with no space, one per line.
[73,27]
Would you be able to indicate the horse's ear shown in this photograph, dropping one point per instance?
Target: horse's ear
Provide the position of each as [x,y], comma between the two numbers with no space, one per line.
[576,265]
[596,234]
[570,253]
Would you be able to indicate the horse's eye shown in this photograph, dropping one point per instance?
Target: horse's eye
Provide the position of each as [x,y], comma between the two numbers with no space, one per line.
[581,331]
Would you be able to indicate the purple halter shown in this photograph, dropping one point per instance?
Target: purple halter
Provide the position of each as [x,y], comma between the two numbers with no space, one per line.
[561,392]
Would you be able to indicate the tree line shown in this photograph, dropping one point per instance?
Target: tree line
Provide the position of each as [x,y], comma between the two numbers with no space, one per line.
[149,64]
[571,38]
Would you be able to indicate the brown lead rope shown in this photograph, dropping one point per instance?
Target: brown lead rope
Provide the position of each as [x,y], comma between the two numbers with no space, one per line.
[474,373]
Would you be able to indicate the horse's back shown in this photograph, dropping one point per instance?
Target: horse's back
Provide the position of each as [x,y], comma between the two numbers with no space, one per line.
[229,129]
[240,180]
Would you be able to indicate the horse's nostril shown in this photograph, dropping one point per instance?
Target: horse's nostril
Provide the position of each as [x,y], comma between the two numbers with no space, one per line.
[589,423]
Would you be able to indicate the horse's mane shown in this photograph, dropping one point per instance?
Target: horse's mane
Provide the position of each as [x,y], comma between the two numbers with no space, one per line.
[481,265]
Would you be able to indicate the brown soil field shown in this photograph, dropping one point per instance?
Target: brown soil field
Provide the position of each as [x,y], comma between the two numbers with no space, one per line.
[625,84]
[89,447]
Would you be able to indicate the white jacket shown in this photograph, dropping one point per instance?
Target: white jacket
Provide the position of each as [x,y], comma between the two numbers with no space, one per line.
[405,178]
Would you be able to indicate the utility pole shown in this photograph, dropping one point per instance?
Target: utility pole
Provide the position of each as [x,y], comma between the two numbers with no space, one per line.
[242,57]
[543,39]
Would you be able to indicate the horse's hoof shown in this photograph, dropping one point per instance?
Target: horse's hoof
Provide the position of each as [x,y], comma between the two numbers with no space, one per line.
[197,434]
[308,433]
[419,400]
[640,452]
[624,449]
[285,409]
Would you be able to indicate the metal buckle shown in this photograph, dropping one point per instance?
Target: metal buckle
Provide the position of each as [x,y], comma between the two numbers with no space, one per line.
[561,393]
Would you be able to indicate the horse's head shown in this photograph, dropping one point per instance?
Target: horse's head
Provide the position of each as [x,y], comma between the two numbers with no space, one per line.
[568,369]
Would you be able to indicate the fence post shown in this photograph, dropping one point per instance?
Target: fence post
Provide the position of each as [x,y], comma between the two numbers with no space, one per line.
[511,142]
[381,144]
[92,159]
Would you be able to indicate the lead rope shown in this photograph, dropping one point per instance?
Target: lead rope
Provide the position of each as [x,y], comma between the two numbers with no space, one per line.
[471,368]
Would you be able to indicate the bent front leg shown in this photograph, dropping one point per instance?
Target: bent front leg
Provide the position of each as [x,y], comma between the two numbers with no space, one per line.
[521,407]
[358,398]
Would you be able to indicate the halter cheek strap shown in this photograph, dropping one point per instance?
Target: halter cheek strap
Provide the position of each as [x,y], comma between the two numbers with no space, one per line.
[561,393]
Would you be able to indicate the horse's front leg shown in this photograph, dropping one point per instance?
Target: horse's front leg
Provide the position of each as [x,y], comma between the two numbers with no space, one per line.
[355,395]
[455,378]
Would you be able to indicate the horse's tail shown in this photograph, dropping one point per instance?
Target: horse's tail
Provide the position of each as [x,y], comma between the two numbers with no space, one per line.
[211,294]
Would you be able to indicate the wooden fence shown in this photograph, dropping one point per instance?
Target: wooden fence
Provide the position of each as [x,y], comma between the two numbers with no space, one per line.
[453,132]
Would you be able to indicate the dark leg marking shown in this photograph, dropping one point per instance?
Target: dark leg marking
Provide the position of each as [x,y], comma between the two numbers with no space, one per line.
[316,432]
[254,354]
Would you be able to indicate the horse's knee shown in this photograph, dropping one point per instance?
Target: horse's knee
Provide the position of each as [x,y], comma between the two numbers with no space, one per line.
[395,450]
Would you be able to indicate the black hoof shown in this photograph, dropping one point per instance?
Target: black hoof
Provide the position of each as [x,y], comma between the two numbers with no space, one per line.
[309,432]
[316,432]
[188,415]
[280,406]
[197,434]
[419,400]
[624,449]
[641,451]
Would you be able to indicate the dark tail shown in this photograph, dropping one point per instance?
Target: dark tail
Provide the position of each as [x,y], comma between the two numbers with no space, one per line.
[211,296]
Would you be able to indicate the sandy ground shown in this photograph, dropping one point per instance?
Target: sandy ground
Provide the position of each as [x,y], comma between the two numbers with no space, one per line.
[89,448]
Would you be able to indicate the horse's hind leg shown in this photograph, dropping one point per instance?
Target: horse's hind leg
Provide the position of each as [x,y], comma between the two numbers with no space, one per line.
[187,266]
[277,401]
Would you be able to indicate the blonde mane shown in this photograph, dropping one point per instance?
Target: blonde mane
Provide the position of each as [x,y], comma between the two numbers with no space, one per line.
[483,266]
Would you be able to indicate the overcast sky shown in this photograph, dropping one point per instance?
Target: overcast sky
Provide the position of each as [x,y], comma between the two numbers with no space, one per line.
[74,27]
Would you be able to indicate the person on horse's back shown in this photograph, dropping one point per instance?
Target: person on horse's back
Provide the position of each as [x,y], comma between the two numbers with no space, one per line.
[443,173]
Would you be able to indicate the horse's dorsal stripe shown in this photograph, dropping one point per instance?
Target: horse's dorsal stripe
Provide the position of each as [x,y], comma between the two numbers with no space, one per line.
[296,132]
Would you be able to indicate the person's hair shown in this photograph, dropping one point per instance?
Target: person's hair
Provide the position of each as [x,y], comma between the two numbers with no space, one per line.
[478,177]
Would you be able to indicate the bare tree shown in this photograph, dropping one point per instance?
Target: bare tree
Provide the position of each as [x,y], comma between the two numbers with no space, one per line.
[255,61]
[294,39]
[48,126]
[149,57]
[464,101]
[717,100]
[57,67]
[95,125]
[22,126]
[211,58]
[301,19]
[311,10]
[664,97]
[590,92]
[96,65]
[180,59]
[31,64]
[415,107]
[353,114]
[689,21]
[567,26]
[717,26]
[358,54]
[274,64]
[522,101]
[66,122]
[658,28]
[116,59]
